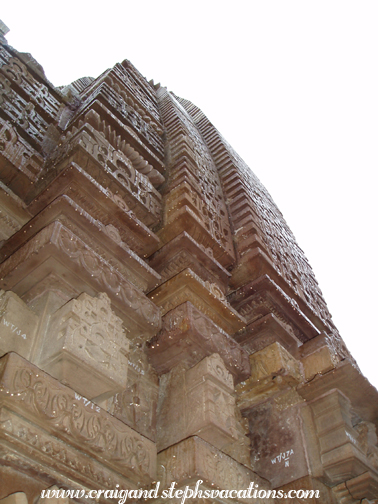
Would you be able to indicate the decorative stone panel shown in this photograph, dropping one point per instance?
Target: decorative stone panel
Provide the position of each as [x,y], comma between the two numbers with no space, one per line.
[85,347]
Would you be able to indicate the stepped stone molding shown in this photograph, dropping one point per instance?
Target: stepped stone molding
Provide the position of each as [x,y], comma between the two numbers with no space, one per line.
[187,336]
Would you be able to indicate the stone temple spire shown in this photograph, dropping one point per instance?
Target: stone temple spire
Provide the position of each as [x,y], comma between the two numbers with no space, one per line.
[158,320]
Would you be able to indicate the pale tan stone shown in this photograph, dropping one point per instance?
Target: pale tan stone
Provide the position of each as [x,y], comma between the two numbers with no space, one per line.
[63,430]
[85,347]
[18,325]
[15,498]
[193,459]
[200,401]
[273,369]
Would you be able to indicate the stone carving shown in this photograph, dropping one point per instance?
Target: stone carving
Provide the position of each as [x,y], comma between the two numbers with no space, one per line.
[187,286]
[101,204]
[17,157]
[202,204]
[74,418]
[199,401]
[85,347]
[112,250]
[140,315]
[193,459]
[188,336]
[95,154]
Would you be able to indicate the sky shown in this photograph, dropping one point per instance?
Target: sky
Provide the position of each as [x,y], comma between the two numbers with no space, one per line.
[291,84]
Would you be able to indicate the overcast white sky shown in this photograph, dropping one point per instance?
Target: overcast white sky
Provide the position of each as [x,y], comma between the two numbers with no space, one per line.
[292,85]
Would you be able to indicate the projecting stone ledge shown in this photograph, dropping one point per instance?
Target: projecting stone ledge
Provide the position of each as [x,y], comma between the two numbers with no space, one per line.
[105,240]
[55,250]
[50,430]
[208,298]
[188,336]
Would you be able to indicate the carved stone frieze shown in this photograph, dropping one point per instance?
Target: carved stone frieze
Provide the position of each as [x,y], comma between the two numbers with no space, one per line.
[103,240]
[187,336]
[89,149]
[263,296]
[45,403]
[57,249]
[101,204]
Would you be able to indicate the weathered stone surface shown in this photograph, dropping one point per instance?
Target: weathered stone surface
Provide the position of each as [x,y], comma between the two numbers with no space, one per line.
[18,325]
[104,205]
[350,382]
[136,405]
[103,240]
[13,214]
[200,401]
[265,331]
[184,252]
[278,452]
[187,336]
[273,369]
[347,446]
[56,249]
[85,347]
[194,459]
[53,423]
[263,296]
[318,357]
[209,299]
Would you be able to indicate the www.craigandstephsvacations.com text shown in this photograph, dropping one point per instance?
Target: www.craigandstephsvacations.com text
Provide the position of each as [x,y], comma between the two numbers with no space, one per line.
[252,492]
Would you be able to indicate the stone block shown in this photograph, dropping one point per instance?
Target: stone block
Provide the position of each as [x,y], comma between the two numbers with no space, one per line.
[57,251]
[15,498]
[193,459]
[187,286]
[263,296]
[273,369]
[103,205]
[347,446]
[104,240]
[188,336]
[265,331]
[13,214]
[318,357]
[136,405]
[49,430]
[184,252]
[18,325]
[277,450]
[85,347]
[199,401]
